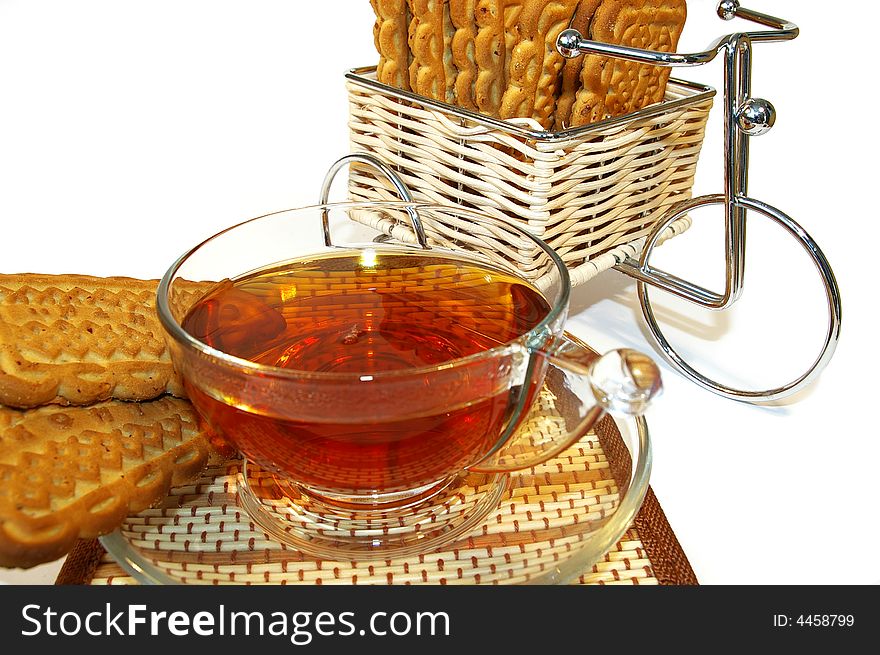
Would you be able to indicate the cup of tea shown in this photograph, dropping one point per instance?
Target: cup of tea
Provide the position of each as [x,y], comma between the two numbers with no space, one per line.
[364,383]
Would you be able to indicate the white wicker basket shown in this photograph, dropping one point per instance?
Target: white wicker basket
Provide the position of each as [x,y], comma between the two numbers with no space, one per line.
[592,193]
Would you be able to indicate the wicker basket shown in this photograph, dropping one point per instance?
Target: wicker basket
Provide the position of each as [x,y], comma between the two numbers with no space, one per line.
[592,193]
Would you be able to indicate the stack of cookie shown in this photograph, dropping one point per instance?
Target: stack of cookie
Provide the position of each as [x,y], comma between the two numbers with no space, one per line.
[499,57]
[93,425]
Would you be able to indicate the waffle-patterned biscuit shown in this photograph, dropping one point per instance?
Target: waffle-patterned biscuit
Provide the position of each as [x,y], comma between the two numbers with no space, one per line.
[612,87]
[77,472]
[548,84]
[534,65]
[570,78]
[377,27]
[523,66]
[391,34]
[463,16]
[432,72]
[490,55]
[77,340]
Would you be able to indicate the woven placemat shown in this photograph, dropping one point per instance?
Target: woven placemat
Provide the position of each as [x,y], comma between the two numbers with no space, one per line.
[648,554]
[203,533]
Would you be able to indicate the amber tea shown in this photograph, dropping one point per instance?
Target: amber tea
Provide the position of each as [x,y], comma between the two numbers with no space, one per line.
[381,316]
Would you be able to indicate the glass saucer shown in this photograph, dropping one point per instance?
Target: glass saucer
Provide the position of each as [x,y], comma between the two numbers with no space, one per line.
[289,515]
[550,524]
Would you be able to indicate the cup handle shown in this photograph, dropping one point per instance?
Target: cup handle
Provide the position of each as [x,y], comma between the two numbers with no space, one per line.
[575,389]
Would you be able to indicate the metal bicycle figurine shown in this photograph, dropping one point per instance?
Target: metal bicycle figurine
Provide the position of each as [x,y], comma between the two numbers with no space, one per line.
[744,116]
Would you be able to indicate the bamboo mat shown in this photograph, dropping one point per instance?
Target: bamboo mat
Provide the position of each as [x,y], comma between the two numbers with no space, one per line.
[202,536]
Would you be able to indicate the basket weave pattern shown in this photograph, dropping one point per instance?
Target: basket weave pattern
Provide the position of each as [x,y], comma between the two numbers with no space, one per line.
[585,194]
[200,535]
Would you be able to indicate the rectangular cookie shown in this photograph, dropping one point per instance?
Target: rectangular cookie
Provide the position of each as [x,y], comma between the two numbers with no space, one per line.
[490,55]
[391,35]
[570,76]
[534,63]
[77,340]
[463,14]
[77,472]
[432,72]
[613,87]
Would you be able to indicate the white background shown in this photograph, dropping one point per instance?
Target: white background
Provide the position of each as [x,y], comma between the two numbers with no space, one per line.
[131,130]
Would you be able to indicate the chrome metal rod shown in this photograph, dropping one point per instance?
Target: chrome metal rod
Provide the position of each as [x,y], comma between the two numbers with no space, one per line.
[381,167]
[571,43]
[673,284]
[782,30]
[737,89]
[643,272]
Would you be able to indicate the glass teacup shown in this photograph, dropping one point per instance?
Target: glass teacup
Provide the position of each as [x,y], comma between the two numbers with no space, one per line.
[367,384]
